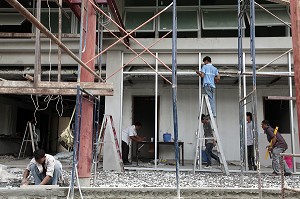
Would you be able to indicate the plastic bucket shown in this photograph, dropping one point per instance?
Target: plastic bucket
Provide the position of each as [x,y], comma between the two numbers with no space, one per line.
[167,137]
[289,161]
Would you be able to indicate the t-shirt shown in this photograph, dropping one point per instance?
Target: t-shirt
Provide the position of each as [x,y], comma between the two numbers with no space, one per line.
[280,142]
[209,75]
[249,134]
[49,165]
[126,133]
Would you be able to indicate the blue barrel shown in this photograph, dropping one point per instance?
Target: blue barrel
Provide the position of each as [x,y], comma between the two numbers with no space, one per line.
[167,137]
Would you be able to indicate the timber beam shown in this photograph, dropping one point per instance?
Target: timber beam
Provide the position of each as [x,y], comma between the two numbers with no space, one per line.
[54,88]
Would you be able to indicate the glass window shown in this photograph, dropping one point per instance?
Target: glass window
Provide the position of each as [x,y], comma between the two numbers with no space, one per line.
[11,19]
[66,23]
[140,3]
[186,21]
[134,19]
[262,18]
[220,19]
[179,2]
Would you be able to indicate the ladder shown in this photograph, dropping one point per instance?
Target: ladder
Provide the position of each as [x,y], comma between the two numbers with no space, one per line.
[200,137]
[108,125]
[29,136]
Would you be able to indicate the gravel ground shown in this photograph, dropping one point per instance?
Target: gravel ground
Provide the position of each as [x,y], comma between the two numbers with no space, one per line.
[167,179]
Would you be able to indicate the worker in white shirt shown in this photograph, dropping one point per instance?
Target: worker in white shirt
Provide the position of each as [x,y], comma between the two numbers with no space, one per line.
[128,134]
[44,168]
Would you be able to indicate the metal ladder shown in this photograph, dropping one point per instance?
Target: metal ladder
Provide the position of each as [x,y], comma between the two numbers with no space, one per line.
[200,137]
[28,137]
[108,124]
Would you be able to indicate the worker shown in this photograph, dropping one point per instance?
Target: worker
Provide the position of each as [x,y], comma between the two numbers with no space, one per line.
[44,168]
[250,143]
[128,134]
[277,146]
[209,143]
[210,75]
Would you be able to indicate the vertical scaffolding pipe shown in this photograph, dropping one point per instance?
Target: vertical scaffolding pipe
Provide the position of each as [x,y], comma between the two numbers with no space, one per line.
[254,95]
[37,66]
[100,42]
[244,111]
[174,93]
[200,112]
[240,63]
[156,113]
[292,112]
[59,38]
[295,21]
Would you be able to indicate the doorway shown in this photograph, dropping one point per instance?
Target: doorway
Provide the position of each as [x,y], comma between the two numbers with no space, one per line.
[277,112]
[144,112]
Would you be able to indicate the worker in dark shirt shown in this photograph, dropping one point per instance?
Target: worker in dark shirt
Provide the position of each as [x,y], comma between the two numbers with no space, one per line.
[277,146]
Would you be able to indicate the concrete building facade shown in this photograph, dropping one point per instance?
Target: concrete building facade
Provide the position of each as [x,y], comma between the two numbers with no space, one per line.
[205,28]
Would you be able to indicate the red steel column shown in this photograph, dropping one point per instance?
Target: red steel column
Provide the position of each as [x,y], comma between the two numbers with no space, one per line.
[85,151]
[295,19]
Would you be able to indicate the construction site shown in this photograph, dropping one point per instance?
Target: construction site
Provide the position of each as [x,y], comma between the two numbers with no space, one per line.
[77,76]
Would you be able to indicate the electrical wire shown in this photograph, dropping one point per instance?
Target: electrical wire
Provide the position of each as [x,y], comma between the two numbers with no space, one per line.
[48,98]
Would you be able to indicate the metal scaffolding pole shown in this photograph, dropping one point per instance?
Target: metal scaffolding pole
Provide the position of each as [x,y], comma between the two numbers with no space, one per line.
[174,94]
[37,66]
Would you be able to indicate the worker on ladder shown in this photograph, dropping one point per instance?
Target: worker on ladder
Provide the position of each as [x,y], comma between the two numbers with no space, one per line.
[210,141]
[210,75]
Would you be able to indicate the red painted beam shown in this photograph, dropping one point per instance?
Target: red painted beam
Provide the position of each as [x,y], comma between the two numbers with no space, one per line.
[79,1]
[85,151]
[116,14]
[74,7]
[295,21]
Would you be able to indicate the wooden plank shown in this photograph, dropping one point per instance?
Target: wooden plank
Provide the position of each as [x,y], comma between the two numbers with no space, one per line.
[47,91]
[56,85]
[29,35]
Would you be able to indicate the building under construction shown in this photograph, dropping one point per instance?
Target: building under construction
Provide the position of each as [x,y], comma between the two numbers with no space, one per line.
[122,51]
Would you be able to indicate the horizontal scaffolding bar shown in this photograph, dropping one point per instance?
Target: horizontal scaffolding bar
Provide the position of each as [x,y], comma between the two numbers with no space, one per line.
[43,29]
[280,98]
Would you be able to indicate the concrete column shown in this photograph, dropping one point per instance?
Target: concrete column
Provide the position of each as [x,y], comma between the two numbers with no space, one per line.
[85,150]
[113,105]
[295,21]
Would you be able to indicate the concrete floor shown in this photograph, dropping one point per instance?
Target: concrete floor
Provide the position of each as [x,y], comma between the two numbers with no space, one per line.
[136,183]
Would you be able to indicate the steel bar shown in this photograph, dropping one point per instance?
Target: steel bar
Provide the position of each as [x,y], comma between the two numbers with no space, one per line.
[137,55]
[59,38]
[282,176]
[43,29]
[174,94]
[37,65]
[248,95]
[129,34]
[240,64]
[272,14]
[290,154]
[156,114]
[280,98]
[254,96]
[245,109]
[295,19]
[275,59]
[291,110]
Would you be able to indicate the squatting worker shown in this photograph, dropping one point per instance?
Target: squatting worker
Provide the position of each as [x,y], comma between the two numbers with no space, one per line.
[128,134]
[277,146]
[210,75]
[44,168]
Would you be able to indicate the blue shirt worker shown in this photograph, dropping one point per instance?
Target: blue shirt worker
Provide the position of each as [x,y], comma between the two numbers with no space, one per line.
[210,75]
